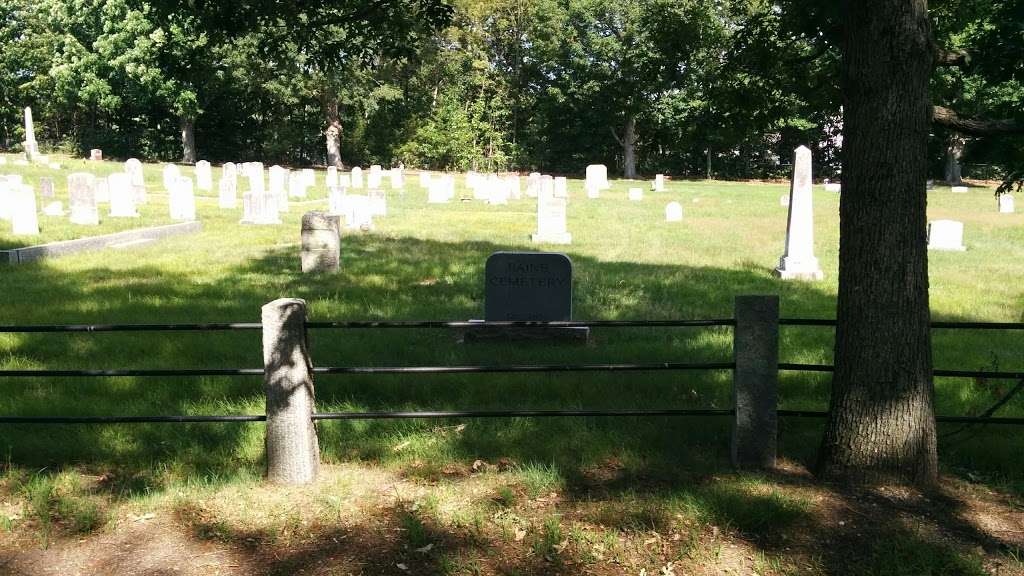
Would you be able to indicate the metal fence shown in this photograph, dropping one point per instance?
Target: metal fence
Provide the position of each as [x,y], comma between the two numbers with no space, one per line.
[755,328]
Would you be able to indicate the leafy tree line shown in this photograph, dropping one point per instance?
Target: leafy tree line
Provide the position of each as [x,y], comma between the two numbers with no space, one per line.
[689,87]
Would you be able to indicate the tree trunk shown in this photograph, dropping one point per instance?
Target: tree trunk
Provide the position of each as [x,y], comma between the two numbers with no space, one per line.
[629,148]
[881,421]
[332,132]
[188,140]
[954,153]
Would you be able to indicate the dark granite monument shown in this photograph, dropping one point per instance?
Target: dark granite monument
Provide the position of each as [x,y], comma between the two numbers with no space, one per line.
[528,286]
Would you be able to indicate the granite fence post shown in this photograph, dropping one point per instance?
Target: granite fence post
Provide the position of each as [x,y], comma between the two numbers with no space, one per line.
[293,452]
[755,381]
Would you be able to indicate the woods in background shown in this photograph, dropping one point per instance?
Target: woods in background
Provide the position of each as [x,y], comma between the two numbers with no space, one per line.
[687,87]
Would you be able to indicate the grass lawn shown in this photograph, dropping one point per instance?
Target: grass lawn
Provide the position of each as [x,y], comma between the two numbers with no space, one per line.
[502,496]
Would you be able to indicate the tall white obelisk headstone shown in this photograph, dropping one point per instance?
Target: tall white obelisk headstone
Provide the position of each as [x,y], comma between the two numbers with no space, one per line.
[31,148]
[799,262]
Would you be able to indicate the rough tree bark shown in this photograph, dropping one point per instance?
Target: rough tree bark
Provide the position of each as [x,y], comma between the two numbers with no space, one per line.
[881,422]
[628,143]
[188,140]
[954,153]
[332,133]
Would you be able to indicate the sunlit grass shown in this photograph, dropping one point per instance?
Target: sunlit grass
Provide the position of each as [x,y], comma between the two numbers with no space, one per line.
[425,262]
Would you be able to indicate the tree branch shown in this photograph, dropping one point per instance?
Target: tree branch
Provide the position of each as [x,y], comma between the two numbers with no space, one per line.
[614,135]
[973,126]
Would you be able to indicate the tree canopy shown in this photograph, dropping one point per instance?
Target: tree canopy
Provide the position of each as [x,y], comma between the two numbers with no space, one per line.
[686,87]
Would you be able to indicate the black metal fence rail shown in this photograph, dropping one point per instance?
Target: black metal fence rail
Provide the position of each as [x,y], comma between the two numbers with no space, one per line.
[940,325]
[527,368]
[386,415]
[389,324]
[365,324]
[509,368]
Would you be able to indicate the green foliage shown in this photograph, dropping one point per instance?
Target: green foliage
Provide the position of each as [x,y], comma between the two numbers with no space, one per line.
[726,87]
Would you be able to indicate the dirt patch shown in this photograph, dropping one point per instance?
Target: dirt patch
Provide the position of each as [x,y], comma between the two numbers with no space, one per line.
[361,519]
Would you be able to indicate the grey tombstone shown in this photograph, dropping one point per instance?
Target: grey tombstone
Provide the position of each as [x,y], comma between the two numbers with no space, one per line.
[82,192]
[528,286]
[46,187]
[321,242]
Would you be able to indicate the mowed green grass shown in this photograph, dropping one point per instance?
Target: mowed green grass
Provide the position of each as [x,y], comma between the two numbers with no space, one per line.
[426,262]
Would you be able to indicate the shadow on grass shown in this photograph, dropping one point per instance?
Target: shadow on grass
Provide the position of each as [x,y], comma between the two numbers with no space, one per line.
[403,278]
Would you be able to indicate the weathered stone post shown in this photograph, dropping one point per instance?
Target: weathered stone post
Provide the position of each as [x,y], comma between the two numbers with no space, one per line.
[293,453]
[755,381]
[321,242]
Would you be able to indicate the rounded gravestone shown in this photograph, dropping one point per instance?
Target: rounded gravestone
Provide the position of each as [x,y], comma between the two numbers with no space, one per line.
[321,242]
[674,212]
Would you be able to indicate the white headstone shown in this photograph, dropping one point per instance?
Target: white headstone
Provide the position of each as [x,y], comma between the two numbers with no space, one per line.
[551,218]
[597,176]
[832,186]
[227,188]
[297,182]
[784,200]
[278,180]
[309,177]
[122,196]
[254,173]
[183,200]
[204,176]
[31,148]
[438,191]
[357,177]
[959,189]
[373,179]
[136,179]
[561,187]
[332,177]
[533,184]
[497,190]
[659,182]
[1006,204]
[171,176]
[799,262]
[397,179]
[82,192]
[946,235]
[424,179]
[636,194]
[259,208]
[335,206]
[24,217]
[357,211]
[378,203]
[674,212]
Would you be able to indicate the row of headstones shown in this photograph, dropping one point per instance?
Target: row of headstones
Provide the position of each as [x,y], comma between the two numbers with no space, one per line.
[122,190]
[799,262]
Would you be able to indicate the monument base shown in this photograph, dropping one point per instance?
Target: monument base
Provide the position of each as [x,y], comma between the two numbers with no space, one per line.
[482,333]
[563,238]
[791,269]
